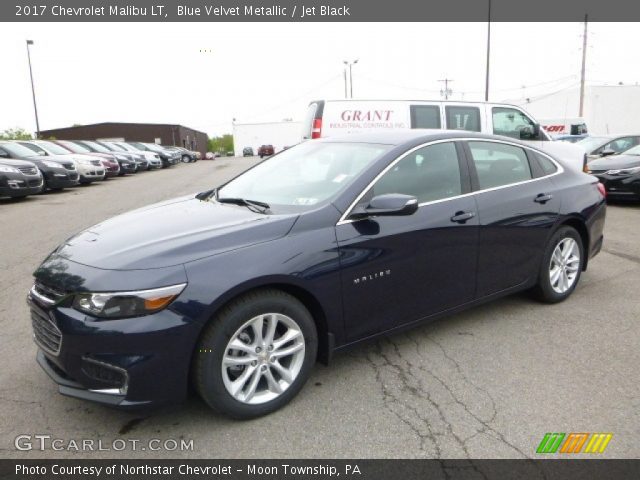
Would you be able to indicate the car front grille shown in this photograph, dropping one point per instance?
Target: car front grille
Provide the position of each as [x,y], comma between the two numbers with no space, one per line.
[28,170]
[45,331]
[34,183]
[96,162]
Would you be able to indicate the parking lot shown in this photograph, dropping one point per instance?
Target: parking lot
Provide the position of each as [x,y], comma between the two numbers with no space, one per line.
[486,383]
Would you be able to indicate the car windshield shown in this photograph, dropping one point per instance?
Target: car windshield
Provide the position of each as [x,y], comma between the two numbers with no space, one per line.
[305,175]
[126,147]
[154,147]
[53,148]
[97,147]
[633,151]
[591,143]
[19,151]
[112,147]
[34,148]
[74,147]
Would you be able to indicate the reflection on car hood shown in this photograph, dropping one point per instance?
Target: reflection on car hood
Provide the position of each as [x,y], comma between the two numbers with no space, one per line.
[171,233]
[615,162]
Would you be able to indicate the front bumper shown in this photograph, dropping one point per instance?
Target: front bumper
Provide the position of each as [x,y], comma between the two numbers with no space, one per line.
[62,179]
[621,186]
[19,185]
[112,171]
[124,363]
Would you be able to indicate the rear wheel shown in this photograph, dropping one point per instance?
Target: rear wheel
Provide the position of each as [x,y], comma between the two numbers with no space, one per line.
[256,354]
[185,159]
[561,266]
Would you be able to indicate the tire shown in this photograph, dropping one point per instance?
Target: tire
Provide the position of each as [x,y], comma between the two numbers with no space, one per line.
[185,159]
[553,285]
[236,322]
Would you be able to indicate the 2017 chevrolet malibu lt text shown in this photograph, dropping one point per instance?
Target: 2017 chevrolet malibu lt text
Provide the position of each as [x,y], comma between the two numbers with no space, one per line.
[242,288]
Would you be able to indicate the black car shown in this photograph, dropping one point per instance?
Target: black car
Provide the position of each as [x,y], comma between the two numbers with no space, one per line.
[141,162]
[247,152]
[605,145]
[240,289]
[168,157]
[620,174]
[57,171]
[19,178]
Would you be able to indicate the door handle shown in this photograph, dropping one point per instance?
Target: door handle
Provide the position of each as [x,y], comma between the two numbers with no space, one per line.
[462,217]
[543,198]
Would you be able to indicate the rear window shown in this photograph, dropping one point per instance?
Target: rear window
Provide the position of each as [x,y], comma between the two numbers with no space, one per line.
[463,118]
[498,164]
[548,167]
[425,116]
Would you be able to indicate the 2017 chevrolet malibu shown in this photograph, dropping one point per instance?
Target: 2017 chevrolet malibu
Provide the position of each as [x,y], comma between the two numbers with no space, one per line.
[242,288]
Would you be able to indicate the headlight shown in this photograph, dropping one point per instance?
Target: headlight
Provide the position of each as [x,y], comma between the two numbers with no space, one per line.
[126,304]
[52,164]
[8,169]
[624,171]
[121,157]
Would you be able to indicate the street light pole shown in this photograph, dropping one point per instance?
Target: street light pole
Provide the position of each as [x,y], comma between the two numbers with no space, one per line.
[486,86]
[350,64]
[33,90]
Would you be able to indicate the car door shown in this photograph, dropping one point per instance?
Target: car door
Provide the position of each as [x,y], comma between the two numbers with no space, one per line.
[397,269]
[517,207]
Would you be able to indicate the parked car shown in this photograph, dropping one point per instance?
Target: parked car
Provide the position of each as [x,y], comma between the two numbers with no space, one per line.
[168,157]
[125,164]
[111,160]
[187,156]
[90,168]
[571,138]
[141,161]
[19,178]
[620,174]
[230,153]
[323,245]
[58,172]
[152,158]
[265,151]
[247,152]
[605,145]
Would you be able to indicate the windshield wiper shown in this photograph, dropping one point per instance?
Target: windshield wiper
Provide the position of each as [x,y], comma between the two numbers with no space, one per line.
[253,205]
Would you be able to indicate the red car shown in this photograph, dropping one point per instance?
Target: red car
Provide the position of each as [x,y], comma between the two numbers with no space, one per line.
[265,151]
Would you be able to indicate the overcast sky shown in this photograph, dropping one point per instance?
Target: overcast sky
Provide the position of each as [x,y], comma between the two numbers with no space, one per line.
[205,74]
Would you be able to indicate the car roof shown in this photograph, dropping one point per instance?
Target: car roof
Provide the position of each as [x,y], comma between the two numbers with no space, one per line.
[399,137]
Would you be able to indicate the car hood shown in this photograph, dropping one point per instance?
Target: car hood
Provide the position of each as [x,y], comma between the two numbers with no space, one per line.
[11,162]
[78,156]
[172,233]
[615,162]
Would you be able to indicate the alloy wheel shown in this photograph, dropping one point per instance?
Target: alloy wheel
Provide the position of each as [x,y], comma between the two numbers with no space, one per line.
[263,358]
[564,265]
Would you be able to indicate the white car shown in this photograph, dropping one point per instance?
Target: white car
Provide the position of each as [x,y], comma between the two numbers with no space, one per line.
[152,157]
[90,168]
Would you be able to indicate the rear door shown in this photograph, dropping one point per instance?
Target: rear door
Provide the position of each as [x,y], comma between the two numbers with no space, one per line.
[399,269]
[517,206]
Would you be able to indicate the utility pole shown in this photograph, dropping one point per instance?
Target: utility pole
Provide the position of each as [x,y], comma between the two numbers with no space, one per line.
[486,85]
[446,91]
[33,90]
[584,64]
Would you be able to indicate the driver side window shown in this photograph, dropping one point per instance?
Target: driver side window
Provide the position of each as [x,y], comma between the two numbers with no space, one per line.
[429,173]
[512,123]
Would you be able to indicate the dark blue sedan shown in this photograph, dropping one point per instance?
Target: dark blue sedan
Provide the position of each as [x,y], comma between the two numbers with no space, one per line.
[241,289]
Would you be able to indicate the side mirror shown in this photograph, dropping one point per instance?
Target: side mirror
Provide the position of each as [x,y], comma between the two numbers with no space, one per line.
[607,152]
[530,132]
[390,204]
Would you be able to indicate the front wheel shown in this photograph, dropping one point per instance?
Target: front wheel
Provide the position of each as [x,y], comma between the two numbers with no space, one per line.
[561,266]
[256,355]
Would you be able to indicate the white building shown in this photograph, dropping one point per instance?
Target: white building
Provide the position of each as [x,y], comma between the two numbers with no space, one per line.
[278,134]
[607,109]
